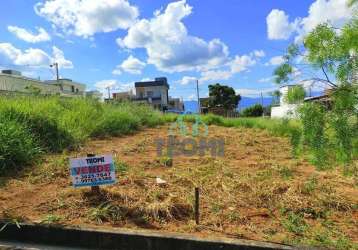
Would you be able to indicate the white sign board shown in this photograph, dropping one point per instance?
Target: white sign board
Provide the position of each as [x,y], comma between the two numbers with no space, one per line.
[92,171]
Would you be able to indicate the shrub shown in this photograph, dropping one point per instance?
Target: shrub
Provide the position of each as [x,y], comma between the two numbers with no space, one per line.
[253,111]
[116,123]
[295,94]
[17,146]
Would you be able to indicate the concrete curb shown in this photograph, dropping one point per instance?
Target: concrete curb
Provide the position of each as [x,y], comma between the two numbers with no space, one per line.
[125,239]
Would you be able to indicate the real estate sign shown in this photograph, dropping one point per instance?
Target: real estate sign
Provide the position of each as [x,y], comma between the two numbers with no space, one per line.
[92,171]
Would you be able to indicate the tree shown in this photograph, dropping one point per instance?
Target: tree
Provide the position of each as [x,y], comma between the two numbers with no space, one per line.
[276,97]
[333,53]
[328,133]
[223,96]
[253,111]
[296,94]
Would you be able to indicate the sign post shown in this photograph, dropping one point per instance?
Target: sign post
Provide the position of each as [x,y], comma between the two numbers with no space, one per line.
[92,171]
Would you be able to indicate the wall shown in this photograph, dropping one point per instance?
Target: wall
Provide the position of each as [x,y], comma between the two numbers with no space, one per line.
[19,84]
[285,111]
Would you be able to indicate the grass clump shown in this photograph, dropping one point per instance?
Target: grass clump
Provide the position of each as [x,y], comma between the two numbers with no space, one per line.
[17,146]
[31,125]
[295,223]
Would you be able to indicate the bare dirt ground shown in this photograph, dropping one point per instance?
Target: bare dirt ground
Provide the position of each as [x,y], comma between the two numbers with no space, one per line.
[256,191]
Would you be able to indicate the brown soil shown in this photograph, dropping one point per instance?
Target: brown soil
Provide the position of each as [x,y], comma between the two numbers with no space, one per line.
[249,193]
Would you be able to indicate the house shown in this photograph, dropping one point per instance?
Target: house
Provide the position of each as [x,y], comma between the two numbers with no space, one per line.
[12,81]
[68,87]
[176,104]
[153,92]
[95,94]
[285,109]
[123,96]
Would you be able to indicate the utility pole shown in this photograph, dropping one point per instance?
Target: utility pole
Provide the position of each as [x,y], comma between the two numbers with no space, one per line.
[197,93]
[56,67]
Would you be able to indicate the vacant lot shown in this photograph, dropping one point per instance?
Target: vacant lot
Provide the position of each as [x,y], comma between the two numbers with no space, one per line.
[256,191]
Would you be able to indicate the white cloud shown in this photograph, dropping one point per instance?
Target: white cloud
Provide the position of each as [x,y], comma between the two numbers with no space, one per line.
[215,75]
[86,17]
[242,63]
[335,12]
[278,25]
[59,57]
[28,36]
[32,57]
[259,53]
[276,60]
[114,86]
[187,80]
[131,65]
[169,46]
[266,79]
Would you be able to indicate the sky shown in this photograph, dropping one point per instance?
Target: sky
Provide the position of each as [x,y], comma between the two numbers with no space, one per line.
[114,43]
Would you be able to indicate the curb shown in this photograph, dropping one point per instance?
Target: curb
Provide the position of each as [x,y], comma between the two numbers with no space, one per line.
[93,238]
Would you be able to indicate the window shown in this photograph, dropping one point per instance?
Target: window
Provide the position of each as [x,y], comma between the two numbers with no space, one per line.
[150,93]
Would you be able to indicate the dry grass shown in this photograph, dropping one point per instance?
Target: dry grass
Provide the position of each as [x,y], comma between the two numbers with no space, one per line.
[257,191]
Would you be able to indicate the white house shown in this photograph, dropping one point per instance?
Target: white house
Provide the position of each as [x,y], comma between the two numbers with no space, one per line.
[285,110]
[13,81]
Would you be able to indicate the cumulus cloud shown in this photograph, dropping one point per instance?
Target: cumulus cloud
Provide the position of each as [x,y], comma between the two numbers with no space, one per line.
[28,36]
[32,57]
[278,25]
[86,17]
[59,57]
[169,46]
[259,53]
[242,63]
[187,80]
[276,60]
[214,75]
[266,79]
[335,12]
[131,65]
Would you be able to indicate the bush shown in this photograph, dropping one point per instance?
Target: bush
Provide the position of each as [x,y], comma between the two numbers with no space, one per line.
[17,146]
[253,111]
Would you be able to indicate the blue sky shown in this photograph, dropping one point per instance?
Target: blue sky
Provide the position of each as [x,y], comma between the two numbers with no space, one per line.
[117,42]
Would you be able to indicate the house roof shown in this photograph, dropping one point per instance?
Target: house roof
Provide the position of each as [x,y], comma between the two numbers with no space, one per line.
[151,83]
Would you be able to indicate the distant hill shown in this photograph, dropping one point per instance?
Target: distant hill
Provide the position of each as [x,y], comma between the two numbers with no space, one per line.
[244,103]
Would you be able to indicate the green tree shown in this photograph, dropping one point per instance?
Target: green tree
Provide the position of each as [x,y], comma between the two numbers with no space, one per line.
[295,94]
[223,96]
[253,111]
[328,133]
[333,53]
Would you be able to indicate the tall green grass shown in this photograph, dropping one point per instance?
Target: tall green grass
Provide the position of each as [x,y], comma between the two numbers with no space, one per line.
[30,126]
[277,127]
